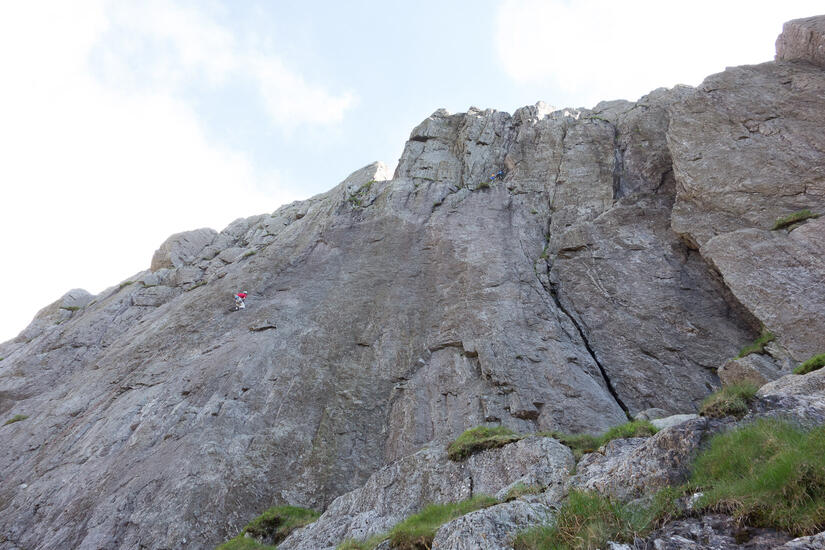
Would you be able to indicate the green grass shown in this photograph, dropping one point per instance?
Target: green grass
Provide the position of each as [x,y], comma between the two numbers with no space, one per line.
[275,524]
[520,490]
[124,284]
[791,219]
[814,363]
[249,253]
[586,521]
[245,543]
[635,428]
[417,531]
[15,418]
[483,185]
[70,308]
[586,443]
[731,400]
[478,439]
[758,346]
[196,285]
[369,544]
[769,473]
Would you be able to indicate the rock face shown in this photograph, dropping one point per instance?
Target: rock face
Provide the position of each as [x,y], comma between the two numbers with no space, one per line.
[620,257]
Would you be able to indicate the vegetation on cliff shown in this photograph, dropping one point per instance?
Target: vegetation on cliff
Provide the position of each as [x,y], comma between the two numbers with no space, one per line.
[731,400]
[768,473]
[480,438]
[814,363]
[274,525]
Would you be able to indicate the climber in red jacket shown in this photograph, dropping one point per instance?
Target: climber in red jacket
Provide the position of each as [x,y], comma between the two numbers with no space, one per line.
[239,300]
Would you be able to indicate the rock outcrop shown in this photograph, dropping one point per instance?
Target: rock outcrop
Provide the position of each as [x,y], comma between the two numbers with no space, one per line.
[802,40]
[633,468]
[404,487]
[615,259]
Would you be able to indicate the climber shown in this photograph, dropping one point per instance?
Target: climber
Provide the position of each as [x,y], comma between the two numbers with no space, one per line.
[497,176]
[239,300]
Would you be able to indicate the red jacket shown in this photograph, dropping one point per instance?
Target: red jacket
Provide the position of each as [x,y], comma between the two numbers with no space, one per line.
[241,295]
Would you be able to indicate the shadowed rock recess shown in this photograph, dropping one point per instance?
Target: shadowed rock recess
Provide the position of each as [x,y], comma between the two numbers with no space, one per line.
[624,253]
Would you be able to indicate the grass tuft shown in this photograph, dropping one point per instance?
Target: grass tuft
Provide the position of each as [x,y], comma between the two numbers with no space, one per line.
[814,363]
[70,308]
[635,428]
[758,346]
[244,543]
[585,521]
[791,219]
[769,473]
[196,285]
[586,443]
[478,439]
[369,544]
[731,400]
[520,490]
[15,418]
[417,531]
[275,525]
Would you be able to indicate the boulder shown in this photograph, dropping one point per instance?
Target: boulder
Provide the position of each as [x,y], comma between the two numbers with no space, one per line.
[670,421]
[813,542]
[756,368]
[747,149]
[75,299]
[651,414]
[628,469]
[182,248]
[770,270]
[495,527]
[802,40]
[801,397]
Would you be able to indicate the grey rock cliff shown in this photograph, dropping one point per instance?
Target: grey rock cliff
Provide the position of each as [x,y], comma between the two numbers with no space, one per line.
[622,256]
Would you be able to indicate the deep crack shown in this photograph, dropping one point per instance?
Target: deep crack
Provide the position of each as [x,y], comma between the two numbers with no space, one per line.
[551,289]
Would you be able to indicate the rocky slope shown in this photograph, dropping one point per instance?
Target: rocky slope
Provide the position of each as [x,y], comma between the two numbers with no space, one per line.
[625,255]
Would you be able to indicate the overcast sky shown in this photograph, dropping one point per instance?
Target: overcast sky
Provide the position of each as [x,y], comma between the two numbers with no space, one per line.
[124,122]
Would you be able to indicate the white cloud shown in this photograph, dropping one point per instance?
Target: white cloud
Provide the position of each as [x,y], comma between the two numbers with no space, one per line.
[182,45]
[95,176]
[601,49]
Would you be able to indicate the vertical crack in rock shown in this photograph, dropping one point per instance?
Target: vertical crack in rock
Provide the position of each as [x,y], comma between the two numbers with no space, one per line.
[552,289]
[618,165]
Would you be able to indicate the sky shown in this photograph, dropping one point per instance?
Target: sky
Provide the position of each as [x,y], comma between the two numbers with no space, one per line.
[124,122]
